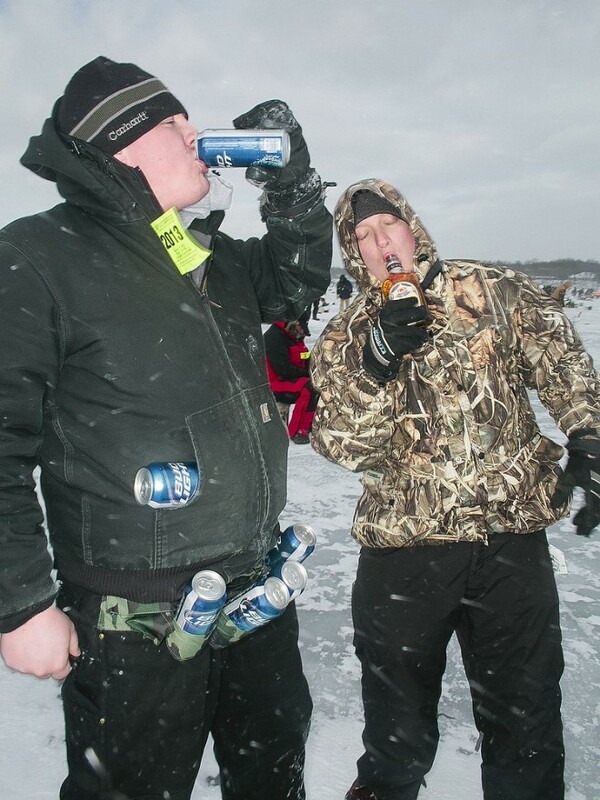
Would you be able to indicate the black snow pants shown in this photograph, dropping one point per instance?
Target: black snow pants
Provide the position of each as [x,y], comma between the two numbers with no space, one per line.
[137,720]
[501,601]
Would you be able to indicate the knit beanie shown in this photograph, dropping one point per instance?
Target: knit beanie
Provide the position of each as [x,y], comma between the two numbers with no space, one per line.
[111,105]
[366,203]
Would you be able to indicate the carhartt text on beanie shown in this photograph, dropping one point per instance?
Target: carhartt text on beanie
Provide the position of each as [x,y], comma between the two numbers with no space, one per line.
[110,104]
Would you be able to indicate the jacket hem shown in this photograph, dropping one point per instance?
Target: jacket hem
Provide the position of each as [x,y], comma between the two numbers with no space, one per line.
[142,586]
[149,585]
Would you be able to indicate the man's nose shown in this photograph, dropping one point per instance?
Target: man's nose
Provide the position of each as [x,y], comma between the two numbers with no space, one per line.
[190,134]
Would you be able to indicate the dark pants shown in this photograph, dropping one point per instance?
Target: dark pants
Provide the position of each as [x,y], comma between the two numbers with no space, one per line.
[137,720]
[501,601]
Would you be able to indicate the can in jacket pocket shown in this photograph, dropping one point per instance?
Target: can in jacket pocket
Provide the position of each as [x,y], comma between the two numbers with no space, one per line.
[169,484]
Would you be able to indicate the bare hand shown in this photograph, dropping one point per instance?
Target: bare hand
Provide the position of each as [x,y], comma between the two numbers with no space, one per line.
[42,645]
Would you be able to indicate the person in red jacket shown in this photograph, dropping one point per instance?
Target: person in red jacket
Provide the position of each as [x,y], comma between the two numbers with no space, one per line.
[287,369]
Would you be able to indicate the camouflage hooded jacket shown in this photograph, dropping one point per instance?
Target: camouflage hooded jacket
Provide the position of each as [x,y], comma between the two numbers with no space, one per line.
[451,450]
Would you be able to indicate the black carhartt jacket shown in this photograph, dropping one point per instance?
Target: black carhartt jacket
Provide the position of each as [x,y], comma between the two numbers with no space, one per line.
[111,360]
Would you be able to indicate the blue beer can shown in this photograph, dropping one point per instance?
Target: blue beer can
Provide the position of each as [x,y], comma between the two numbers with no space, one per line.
[260,604]
[293,574]
[224,147]
[169,484]
[202,601]
[296,543]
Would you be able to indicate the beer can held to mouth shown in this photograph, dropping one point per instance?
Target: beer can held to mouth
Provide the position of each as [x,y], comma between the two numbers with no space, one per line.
[224,147]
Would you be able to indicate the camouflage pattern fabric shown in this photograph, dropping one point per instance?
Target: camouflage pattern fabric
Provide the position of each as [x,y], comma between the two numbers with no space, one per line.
[156,621]
[183,645]
[226,632]
[152,620]
[451,450]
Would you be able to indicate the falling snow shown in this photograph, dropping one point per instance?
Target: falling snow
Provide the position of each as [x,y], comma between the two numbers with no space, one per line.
[32,761]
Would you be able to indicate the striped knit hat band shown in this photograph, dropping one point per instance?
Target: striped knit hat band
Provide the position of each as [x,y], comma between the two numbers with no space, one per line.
[111,105]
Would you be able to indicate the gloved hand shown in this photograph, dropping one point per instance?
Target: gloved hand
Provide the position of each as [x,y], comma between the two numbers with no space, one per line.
[296,186]
[394,334]
[583,470]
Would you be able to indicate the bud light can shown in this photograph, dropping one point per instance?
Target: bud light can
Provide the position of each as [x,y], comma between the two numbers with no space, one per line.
[296,543]
[200,606]
[249,611]
[166,485]
[258,605]
[223,147]
[294,575]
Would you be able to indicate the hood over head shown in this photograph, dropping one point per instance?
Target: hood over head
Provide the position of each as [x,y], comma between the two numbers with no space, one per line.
[385,199]
[90,178]
[87,177]
[79,159]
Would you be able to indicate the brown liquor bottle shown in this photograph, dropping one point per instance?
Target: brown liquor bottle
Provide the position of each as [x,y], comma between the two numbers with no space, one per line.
[401,285]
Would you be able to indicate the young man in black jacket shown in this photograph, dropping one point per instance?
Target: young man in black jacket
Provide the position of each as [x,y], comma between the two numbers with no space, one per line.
[128,340]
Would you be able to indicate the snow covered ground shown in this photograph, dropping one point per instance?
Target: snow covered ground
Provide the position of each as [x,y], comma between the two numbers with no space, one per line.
[32,763]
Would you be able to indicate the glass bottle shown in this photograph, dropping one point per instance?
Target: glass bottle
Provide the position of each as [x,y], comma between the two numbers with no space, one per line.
[400,285]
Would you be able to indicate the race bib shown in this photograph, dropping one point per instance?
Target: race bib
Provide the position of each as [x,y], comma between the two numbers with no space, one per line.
[184,251]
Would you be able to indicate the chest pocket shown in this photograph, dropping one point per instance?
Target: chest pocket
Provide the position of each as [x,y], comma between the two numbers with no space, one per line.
[241,450]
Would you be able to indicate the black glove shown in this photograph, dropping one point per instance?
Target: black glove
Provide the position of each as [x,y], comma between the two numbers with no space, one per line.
[583,470]
[394,334]
[296,186]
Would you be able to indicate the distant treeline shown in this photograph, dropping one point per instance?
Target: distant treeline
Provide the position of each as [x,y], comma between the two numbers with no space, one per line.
[559,270]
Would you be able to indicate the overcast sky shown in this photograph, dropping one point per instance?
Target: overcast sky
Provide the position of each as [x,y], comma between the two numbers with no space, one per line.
[485,113]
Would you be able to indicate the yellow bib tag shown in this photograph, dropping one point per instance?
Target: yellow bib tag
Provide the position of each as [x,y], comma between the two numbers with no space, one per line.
[185,252]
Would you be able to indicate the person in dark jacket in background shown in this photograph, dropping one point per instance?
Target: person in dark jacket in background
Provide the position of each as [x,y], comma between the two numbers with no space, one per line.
[343,289]
[289,378]
[132,335]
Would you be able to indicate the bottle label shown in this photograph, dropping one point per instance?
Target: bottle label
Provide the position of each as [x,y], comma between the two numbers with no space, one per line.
[402,290]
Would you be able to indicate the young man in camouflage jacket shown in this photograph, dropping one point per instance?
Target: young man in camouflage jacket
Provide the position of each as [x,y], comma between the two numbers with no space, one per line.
[430,403]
